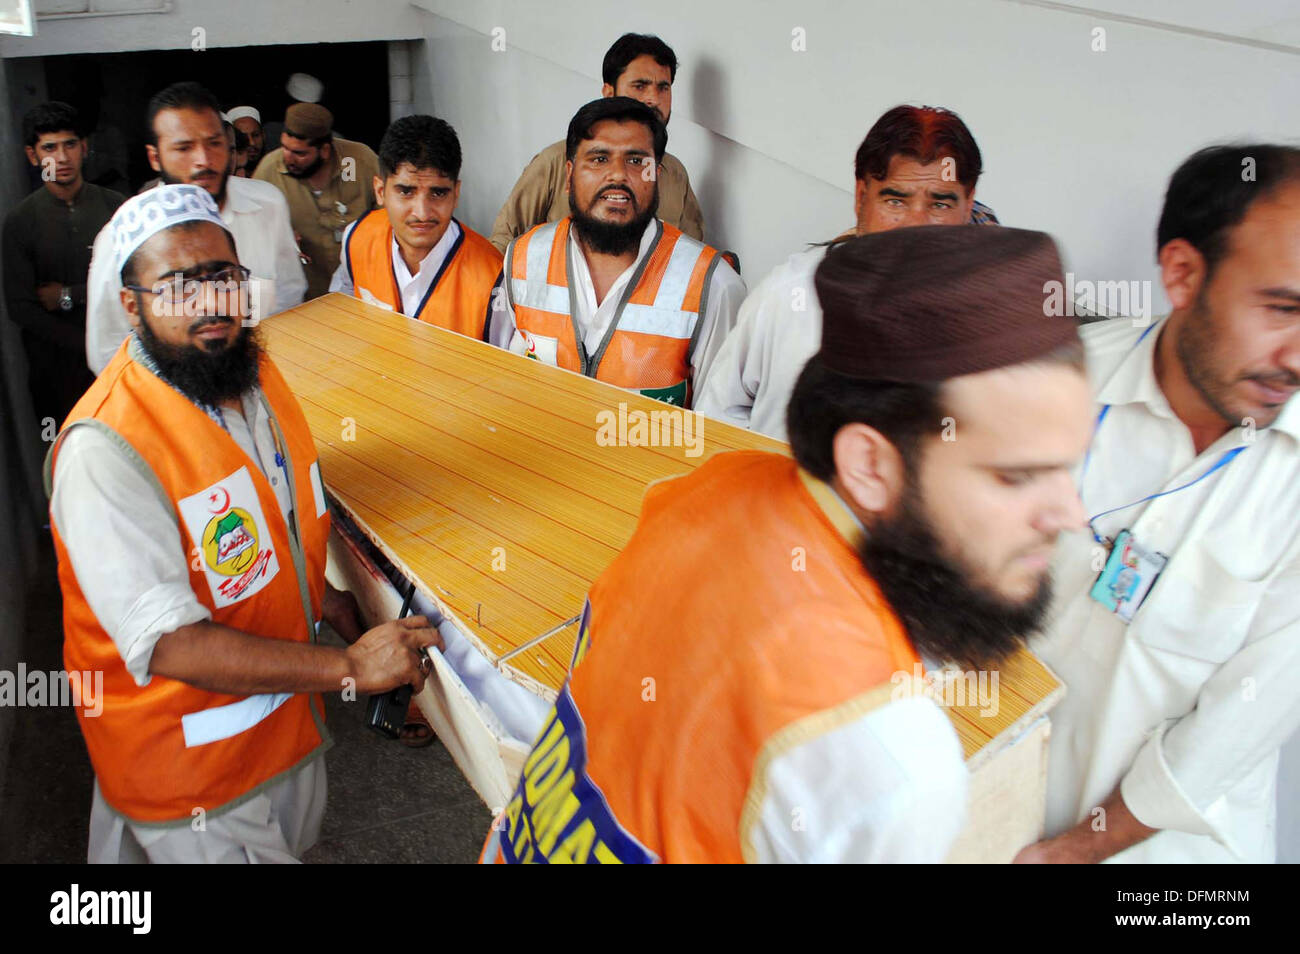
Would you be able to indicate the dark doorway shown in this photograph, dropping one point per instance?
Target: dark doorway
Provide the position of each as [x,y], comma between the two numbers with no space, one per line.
[112,90]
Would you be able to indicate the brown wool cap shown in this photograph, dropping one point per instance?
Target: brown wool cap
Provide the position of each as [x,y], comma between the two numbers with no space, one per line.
[934,302]
[308,121]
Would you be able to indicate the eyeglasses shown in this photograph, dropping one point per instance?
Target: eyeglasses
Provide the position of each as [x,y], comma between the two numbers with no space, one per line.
[231,280]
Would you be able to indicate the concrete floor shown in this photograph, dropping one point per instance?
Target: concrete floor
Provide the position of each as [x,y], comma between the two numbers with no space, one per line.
[387,803]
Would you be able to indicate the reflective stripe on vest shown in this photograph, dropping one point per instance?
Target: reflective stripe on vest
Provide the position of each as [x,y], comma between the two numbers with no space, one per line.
[221,722]
[649,342]
[164,749]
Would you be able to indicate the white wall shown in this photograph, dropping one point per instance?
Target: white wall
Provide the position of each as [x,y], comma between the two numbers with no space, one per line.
[1273,23]
[1077,143]
[224,23]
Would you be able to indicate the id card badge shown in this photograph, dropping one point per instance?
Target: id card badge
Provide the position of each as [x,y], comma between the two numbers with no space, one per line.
[1127,577]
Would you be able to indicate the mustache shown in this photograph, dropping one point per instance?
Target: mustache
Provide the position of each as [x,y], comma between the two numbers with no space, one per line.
[209,322]
[612,189]
[1047,542]
[1285,379]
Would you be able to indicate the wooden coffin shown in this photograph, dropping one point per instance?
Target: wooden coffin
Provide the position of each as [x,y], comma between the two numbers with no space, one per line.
[488,479]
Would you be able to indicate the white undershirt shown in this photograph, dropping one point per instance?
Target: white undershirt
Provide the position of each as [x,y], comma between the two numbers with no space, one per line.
[415,287]
[594,319]
[412,286]
[726,292]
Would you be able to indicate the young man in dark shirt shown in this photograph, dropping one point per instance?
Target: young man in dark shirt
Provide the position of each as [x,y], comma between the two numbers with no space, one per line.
[47,241]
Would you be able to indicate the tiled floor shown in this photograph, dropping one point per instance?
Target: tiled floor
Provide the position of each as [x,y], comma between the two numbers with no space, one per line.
[386,802]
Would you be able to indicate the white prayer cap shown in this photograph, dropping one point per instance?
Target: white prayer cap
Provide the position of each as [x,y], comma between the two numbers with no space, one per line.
[305,88]
[225,117]
[143,216]
[245,112]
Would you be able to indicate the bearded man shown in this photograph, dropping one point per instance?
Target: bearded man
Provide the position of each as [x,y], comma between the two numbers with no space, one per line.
[610,290]
[190,524]
[1167,747]
[739,685]
[326,180]
[188,146]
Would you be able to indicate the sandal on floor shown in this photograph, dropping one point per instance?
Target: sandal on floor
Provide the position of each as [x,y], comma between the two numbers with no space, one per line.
[416,731]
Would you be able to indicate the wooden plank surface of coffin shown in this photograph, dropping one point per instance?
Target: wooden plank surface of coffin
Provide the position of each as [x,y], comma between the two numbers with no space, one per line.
[479,475]
[991,708]
[478,472]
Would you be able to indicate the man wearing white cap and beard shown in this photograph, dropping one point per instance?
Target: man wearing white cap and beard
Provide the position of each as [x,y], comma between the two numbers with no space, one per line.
[190,522]
[249,121]
[189,146]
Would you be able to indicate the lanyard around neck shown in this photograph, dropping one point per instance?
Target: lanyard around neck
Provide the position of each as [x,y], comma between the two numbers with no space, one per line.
[1224,459]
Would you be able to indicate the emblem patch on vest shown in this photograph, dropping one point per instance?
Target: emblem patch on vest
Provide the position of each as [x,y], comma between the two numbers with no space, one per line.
[537,347]
[227,523]
[670,395]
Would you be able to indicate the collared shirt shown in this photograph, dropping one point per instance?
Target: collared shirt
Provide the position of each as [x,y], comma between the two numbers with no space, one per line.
[320,217]
[1184,709]
[726,292]
[594,318]
[258,218]
[778,329]
[413,287]
[49,240]
[122,539]
[540,196]
[981,214]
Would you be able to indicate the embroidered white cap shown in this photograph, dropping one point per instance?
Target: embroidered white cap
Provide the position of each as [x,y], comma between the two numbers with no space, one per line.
[143,216]
[244,112]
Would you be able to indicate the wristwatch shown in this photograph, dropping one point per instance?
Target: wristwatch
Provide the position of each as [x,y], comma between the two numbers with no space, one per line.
[65,299]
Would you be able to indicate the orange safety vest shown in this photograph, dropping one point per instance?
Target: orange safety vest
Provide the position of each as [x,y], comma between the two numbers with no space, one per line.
[649,344]
[461,292]
[682,684]
[162,750]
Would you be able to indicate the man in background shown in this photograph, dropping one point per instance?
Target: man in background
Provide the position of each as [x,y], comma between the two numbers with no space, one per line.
[918,165]
[611,291]
[249,121]
[237,142]
[327,182]
[189,146]
[411,255]
[643,68]
[47,241]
